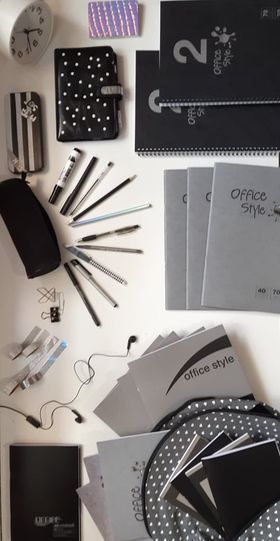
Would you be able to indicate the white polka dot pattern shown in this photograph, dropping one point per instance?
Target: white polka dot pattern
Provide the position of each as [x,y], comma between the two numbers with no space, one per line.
[208,418]
[79,76]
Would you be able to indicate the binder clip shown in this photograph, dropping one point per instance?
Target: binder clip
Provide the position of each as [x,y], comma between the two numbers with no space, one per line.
[55,312]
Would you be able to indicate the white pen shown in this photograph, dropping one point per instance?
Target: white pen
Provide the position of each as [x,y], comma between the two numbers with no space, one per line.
[96,182]
[110,215]
[88,276]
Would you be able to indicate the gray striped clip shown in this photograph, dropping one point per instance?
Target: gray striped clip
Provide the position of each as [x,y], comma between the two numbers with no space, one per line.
[24,132]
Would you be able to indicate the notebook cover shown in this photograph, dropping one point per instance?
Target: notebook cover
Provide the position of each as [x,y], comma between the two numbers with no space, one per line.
[83,112]
[123,462]
[43,484]
[242,254]
[217,52]
[196,476]
[201,130]
[253,474]
[196,445]
[203,364]
[198,207]
[92,496]
[185,489]
[175,233]
[123,408]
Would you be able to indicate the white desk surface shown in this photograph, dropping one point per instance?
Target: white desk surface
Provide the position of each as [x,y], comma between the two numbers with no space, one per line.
[254,335]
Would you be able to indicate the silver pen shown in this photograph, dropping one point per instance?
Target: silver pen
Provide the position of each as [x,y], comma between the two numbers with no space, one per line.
[85,257]
[88,276]
[110,215]
[121,231]
[96,182]
[109,249]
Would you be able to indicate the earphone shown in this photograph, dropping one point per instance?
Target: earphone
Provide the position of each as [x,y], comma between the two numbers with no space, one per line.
[65,405]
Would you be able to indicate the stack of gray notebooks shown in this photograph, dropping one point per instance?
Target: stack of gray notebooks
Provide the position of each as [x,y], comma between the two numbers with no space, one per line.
[204,363]
[222,228]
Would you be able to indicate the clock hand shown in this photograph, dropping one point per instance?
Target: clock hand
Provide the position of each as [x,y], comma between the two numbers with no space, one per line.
[28,41]
[34,30]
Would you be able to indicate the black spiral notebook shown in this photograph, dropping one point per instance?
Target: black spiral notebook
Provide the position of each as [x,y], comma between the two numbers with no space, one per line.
[202,130]
[220,52]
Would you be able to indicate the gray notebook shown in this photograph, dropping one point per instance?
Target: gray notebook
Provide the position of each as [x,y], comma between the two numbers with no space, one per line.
[198,206]
[200,365]
[93,497]
[123,463]
[242,255]
[175,218]
[123,408]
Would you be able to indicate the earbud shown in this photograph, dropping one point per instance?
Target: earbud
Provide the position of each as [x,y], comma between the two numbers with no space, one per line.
[131,340]
[79,419]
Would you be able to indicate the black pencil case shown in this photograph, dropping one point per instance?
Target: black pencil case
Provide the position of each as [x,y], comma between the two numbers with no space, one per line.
[30,228]
[87,94]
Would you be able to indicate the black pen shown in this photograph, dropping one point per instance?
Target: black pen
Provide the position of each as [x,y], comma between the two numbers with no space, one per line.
[82,294]
[121,231]
[106,196]
[71,198]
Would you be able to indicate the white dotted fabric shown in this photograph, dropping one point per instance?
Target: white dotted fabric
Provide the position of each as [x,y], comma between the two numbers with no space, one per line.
[82,113]
[167,523]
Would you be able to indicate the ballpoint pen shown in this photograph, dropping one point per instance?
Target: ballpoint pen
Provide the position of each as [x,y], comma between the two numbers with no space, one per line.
[82,294]
[110,215]
[103,198]
[121,231]
[88,276]
[71,198]
[93,186]
[110,249]
[85,257]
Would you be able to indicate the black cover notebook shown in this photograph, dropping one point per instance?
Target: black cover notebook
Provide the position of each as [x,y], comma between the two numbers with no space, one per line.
[43,483]
[184,486]
[87,94]
[220,52]
[244,483]
[202,130]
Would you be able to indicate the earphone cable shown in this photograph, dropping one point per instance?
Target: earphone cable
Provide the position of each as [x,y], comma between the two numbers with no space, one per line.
[87,381]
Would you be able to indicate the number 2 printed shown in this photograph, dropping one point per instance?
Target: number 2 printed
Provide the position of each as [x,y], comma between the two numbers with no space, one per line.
[199,56]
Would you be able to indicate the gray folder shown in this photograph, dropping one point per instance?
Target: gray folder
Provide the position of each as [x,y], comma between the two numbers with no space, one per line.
[242,255]
[198,207]
[175,218]
[200,365]
[123,462]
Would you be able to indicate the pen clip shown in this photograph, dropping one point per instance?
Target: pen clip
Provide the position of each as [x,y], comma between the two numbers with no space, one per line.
[77,263]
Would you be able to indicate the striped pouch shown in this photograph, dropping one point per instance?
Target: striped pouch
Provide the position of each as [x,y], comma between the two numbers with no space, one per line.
[24,132]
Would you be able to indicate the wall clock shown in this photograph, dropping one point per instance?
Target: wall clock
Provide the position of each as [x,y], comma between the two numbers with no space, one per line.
[26,29]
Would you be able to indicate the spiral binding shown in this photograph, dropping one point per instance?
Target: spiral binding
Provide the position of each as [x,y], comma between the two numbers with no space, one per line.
[212,151]
[172,102]
[107,271]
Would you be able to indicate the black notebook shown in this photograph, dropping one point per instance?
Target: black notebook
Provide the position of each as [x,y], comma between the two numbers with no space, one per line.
[217,52]
[202,130]
[244,483]
[43,483]
[87,94]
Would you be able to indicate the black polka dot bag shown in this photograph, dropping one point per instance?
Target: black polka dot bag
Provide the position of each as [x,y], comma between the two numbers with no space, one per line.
[207,417]
[87,94]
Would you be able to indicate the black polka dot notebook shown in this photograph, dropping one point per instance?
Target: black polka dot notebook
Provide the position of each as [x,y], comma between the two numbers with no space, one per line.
[87,94]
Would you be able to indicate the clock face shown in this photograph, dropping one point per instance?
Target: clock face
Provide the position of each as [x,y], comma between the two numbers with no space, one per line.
[31,32]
